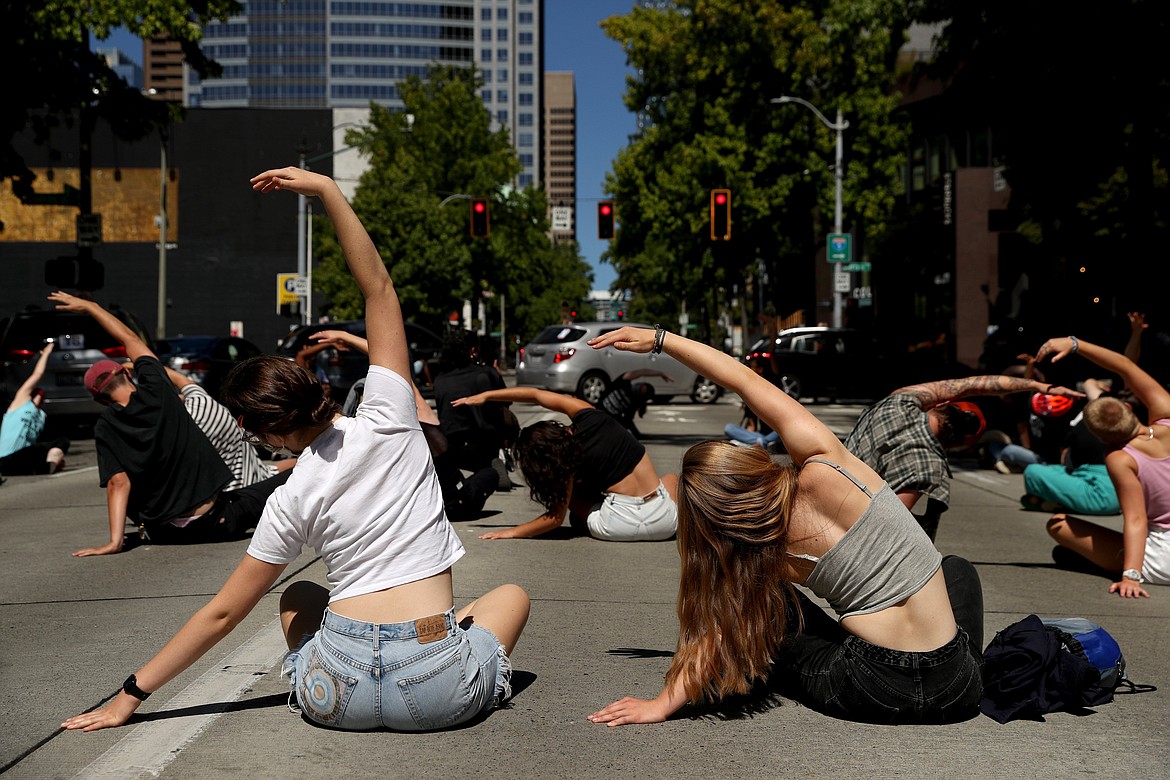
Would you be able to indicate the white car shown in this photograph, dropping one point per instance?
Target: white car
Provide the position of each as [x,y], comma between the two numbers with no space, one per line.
[561,359]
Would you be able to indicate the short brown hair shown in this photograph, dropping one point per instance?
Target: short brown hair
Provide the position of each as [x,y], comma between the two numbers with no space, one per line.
[268,394]
[1111,421]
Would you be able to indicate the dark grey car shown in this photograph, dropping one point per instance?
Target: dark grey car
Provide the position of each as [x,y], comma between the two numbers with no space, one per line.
[80,342]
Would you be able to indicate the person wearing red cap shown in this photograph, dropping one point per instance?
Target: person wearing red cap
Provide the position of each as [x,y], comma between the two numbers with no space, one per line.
[159,469]
[905,436]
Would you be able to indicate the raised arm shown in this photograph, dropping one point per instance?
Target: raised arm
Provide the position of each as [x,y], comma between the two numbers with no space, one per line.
[554,402]
[342,339]
[1137,324]
[931,394]
[804,436]
[384,326]
[1144,386]
[25,391]
[135,346]
[248,583]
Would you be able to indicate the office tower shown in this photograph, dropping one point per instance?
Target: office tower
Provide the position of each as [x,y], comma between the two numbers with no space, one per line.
[560,154]
[346,53]
[121,64]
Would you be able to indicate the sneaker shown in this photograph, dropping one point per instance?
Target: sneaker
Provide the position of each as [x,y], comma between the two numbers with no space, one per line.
[1002,467]
[505,482]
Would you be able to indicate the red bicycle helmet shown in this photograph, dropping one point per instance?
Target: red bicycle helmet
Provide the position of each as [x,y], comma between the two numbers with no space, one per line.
[1051,405]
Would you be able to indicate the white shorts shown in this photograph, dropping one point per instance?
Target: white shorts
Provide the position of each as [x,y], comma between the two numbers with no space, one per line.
[1156,564]
[633,518]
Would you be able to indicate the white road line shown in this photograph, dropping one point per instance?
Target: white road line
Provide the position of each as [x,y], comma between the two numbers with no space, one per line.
[147,750]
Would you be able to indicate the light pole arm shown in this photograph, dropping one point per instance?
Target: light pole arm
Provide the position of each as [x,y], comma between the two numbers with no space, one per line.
[841,123]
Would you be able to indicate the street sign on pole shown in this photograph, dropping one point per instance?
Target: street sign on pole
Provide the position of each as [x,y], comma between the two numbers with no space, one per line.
[857,267]
[286,289]
[841,282]
[840,247]
[89,230]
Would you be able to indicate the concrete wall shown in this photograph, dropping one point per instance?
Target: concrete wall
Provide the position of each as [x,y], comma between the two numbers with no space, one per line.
[976,256]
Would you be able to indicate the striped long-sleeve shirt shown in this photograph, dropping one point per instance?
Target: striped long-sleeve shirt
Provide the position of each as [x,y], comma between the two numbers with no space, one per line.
[225,435]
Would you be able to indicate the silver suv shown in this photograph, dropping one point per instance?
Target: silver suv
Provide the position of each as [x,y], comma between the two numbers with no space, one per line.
[561,359]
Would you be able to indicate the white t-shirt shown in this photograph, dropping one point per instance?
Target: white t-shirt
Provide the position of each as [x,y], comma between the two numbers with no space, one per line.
[365,497]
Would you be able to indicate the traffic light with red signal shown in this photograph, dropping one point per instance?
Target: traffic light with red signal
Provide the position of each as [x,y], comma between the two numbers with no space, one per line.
[721,215]
[605,220]
[480,218]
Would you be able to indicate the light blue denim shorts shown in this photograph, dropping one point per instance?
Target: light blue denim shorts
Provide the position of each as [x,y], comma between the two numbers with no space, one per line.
[418,675]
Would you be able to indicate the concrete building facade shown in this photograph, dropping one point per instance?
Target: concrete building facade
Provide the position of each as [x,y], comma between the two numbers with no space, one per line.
[560,159]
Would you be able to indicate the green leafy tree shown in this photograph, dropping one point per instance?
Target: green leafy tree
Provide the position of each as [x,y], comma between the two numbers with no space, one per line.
[705,73]
[1079,106]
[448,149]
[51,72]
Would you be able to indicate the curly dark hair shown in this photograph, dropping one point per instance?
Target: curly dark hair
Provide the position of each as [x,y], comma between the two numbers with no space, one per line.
[547,454]
[269,394]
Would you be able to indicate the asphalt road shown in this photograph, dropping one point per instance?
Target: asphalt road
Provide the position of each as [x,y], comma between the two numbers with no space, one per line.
[602,626]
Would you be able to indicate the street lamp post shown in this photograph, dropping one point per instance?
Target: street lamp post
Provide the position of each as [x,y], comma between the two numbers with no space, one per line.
[839,173]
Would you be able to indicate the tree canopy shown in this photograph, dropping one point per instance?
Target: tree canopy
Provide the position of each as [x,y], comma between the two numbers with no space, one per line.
[448,149]
[51,71]
[706,71]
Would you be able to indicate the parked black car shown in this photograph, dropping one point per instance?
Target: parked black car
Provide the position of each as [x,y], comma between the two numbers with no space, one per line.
[80,342]
[205,359]
[818,362]
[342,369]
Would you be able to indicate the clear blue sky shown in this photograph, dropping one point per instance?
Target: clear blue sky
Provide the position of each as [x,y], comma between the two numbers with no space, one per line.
[573,42]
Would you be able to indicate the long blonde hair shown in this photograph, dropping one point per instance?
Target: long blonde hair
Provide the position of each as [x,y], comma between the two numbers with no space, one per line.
[734,595]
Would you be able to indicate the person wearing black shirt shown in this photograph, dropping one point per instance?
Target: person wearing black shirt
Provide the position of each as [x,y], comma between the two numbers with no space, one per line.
[157,466]
[593,471]
[626,398]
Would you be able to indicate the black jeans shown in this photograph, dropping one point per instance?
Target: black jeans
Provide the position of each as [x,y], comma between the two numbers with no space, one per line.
[234,513]
[31,459]
[834,672]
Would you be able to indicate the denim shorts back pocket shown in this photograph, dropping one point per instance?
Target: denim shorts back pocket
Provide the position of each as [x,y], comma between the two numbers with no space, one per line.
[323,691]
[439,694]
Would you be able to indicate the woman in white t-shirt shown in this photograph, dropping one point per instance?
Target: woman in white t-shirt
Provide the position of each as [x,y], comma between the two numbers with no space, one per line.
[383,647]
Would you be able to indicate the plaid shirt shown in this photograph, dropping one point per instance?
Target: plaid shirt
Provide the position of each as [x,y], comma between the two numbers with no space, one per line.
[893,437]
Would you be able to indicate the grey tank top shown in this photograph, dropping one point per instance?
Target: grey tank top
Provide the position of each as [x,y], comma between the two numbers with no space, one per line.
[884,558]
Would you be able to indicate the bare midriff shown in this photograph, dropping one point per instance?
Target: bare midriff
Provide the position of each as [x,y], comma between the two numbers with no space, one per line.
[640,482]
[410,601]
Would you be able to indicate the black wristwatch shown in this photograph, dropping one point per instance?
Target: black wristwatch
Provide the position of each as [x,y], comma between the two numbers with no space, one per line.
[130,688]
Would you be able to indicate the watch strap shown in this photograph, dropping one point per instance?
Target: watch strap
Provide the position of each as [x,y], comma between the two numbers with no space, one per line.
[130,688]
[1133,574]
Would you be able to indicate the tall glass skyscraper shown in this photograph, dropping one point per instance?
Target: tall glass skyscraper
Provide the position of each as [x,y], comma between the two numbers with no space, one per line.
[346,53]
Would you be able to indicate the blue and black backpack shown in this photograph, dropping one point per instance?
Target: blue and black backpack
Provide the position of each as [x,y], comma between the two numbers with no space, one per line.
[1036,666]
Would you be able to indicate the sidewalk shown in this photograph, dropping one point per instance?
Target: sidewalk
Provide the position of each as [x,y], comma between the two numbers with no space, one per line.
[603,626]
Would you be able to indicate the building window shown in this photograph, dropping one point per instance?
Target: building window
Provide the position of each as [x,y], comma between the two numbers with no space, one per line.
[525,17]
[525,120]
[486,14]
[526,180]
[525,58]
[502,74]
[502,14]
[485,35]
[487,77]
[526,98]
[525,79]
[502,35]
[501,55]
[501,96]
[525,39]
[502,117]
[485,55]
[526,160]
[486,95]
[525,139]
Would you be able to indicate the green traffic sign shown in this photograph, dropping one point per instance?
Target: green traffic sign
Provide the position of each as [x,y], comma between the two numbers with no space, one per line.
[840,247]
[857,267]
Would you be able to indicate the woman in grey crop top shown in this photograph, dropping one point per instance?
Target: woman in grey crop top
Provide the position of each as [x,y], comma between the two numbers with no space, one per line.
[751,529]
